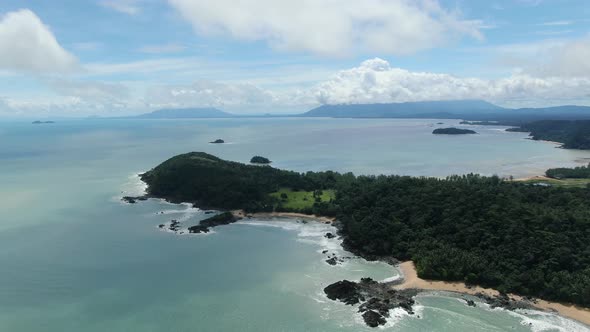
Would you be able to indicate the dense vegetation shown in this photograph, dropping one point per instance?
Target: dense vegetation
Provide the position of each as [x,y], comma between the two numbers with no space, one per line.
[453,131]
[211,182]
[260,160]
[581,172]
[514,237]
[572,134]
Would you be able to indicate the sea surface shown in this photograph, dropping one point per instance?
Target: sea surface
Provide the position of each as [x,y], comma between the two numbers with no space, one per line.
[73,257]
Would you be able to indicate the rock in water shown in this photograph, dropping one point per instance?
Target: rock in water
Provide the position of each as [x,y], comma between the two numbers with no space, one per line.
[381,298]
[373,319]
[345,291]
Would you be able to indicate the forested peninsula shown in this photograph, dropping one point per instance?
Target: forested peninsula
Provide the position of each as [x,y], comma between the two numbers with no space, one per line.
[514,237]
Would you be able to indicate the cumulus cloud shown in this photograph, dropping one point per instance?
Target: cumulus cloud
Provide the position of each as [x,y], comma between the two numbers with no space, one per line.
[333,28]
[27,44]
[376,81]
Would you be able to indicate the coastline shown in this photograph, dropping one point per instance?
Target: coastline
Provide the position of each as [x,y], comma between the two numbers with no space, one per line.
[411,280]
[534,177]
[243,215]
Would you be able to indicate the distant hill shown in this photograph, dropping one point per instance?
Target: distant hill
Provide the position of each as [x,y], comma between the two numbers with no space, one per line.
[454,109]
[404,110]
[186,113]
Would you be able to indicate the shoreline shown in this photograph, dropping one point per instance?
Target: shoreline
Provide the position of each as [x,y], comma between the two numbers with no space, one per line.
[411,280]
[533,177]
[243,215]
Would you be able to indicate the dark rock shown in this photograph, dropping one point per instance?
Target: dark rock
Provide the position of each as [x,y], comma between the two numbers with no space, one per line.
[373,319]
[332,261]
[129,199]
[381,298]
[330,235]
[225,218]
[162,226]
[504,301]
[324,251]
[470,303]
[344,291]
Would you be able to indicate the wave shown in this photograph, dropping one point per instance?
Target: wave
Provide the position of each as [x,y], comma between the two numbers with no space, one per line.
[539,321]
[133,187]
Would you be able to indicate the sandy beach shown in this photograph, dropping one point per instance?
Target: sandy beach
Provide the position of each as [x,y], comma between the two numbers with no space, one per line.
[242,214]
[535,177]
[411,280]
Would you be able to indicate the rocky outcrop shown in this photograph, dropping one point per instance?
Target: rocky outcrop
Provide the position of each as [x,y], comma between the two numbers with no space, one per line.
[217,141]
[373,319]
[504,301]
[224,218]
[376,299]
[133,199]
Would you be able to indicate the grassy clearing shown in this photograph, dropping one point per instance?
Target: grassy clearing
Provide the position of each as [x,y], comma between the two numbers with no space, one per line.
[299,200]
[568,183]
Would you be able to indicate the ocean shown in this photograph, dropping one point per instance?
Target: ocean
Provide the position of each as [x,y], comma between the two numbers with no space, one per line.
[75,258]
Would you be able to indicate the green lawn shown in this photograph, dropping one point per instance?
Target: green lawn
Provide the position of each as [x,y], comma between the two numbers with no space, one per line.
[570,183]
[299,200]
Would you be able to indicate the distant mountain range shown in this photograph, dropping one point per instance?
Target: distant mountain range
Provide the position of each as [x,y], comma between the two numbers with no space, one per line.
[458,109]
[478,110]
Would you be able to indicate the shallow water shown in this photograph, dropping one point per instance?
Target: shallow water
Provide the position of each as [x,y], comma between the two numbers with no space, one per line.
[74,258]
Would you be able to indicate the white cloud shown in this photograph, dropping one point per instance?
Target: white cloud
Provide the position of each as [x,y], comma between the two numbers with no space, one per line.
[375,81]
[571,59]
[556,23]
[164,48]
[27,44]
[91,90]
[547,58]
[130,7]
[212,94]
[328,27]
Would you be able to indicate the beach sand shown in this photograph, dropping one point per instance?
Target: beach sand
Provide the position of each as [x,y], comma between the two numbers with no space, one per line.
[536,177]
[242,214]
[411,280]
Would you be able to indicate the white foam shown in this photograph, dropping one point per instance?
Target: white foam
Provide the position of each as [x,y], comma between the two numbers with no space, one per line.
[390,279]
[545,321]
[134,186]
[310,232]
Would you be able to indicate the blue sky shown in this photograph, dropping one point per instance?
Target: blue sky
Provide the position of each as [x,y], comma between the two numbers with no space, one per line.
[117,57]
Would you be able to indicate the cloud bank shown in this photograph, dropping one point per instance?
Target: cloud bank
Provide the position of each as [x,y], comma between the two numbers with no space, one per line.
[26,44]
[328,27]
[376,81]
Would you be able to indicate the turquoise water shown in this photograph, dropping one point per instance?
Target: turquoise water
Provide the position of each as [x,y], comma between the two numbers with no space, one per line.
[74,258]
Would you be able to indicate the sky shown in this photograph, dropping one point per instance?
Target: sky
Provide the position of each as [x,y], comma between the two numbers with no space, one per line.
[84,58]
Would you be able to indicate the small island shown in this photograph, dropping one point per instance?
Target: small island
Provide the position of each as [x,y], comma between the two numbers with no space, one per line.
[453,131]
[260,160]
[217,141]
[42,122]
